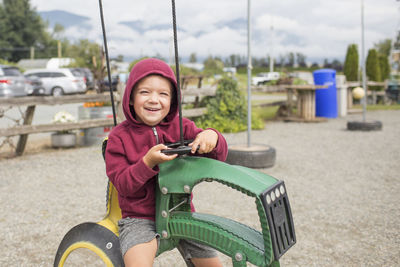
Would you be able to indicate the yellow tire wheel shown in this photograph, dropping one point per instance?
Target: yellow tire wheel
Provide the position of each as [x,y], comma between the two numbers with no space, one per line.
[94,237]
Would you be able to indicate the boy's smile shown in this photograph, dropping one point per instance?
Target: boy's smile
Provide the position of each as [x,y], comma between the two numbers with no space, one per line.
[151,99]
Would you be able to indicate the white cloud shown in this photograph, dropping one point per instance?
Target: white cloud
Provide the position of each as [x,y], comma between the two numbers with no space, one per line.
[318,29]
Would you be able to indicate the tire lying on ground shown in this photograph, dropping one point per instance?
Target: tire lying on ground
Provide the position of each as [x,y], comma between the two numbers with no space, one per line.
[364,125]
[255,156]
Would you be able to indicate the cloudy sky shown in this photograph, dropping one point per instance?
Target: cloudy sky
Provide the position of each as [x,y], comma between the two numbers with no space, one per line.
[318,29]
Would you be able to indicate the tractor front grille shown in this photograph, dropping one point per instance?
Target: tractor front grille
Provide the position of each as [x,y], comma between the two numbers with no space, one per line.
[279,216]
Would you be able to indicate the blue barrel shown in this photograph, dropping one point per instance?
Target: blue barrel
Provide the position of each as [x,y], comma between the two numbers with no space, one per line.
[325,99]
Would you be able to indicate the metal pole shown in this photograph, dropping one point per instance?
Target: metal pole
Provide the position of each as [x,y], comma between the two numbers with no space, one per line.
[249,67]
[364,76]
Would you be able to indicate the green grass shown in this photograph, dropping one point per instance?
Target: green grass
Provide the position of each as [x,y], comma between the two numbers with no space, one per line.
[379,107]
[266,113]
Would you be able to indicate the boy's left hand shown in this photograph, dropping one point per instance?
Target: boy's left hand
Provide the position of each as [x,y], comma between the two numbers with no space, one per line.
[206,141]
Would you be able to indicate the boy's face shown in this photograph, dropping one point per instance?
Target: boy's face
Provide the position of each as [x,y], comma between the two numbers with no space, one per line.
[151,99]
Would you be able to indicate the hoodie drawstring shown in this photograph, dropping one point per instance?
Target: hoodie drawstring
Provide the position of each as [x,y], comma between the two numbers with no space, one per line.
[155,134]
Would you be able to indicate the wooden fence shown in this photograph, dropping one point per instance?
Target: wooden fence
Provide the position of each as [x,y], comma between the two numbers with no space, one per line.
[25,128]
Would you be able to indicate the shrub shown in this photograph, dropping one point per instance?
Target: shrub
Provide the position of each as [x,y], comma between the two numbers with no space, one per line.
[227,111]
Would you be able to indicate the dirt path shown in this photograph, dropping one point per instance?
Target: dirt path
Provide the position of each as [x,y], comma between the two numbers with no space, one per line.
[343,187]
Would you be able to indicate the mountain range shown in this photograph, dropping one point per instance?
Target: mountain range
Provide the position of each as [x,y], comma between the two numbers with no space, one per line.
[66,19]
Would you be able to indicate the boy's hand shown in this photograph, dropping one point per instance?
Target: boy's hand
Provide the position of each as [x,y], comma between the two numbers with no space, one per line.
[154,156]
[206,141]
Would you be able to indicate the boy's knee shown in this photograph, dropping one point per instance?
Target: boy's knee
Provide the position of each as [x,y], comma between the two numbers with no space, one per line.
[141,254]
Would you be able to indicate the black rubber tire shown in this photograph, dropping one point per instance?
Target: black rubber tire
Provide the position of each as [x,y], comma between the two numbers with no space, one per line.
[96,235]
[364,125]
[255,156]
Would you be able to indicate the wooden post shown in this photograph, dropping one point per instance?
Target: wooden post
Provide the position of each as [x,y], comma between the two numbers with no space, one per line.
[200,80]
[289,100]
[59,49]
[32,52]
[120,111]
[24,137]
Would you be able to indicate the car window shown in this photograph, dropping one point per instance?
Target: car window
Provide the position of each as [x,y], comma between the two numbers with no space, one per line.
[42,74]
[11,72]
[77,73]
[57,74]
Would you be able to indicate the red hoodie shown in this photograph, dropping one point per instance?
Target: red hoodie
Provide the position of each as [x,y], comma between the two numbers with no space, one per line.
[130,140]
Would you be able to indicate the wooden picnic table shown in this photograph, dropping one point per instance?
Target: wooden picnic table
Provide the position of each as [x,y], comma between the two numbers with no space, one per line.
[305,102]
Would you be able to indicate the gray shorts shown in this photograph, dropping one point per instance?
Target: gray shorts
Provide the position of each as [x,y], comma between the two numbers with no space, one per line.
[133,231]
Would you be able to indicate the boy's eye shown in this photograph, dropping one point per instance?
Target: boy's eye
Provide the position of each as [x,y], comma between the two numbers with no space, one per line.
[164,93]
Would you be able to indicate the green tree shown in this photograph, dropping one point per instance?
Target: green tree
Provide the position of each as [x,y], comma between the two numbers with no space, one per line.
[372,66]
[193,58]
[213,66]
[337,65]
[396,44]
[350,67]
[301,59]
[20,28]
[384,66]
[83,52]
[373,69]
[290,59]
[384,47]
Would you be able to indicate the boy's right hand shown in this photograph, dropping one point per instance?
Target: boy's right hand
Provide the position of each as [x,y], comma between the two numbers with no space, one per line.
[154,156]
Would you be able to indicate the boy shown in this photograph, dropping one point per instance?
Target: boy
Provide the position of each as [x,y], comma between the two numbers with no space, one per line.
[133,153]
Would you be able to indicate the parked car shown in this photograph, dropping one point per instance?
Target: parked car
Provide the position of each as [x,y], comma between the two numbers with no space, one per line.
[87,73]
[61,81]
[393,90]
[104,85]
[264,77]
[37,85]
[12,82]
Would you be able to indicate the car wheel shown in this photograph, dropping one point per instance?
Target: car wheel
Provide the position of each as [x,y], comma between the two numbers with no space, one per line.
[57,91]
[364,125]
[255,156]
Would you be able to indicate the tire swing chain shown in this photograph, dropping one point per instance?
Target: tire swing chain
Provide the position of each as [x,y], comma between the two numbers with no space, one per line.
[107,61]
[177,71]
[182,149]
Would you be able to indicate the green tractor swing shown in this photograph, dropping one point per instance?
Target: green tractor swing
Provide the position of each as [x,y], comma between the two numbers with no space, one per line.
[174,219]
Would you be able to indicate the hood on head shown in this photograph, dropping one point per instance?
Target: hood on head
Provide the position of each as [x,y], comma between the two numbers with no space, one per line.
[142,69]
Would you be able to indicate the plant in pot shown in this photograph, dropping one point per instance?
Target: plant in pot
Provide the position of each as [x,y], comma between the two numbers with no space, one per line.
[64,138]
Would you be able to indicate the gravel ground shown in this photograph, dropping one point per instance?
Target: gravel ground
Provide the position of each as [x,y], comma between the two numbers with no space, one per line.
[343,187]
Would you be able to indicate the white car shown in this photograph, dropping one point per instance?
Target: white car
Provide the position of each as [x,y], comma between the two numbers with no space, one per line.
[58,82]
[12,82]
[264,77]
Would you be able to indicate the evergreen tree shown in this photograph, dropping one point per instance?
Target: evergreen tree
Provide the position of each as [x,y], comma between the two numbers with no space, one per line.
[384,66]
[193,58]
[372,66]
[383,47]
[350,68]
[301,59]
